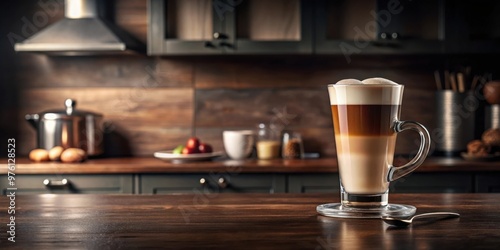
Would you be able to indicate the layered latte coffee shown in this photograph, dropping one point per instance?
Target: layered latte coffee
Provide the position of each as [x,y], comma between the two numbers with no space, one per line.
[366,122]
[363,120]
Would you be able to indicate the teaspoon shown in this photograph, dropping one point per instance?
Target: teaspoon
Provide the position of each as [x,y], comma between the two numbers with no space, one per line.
[402,222]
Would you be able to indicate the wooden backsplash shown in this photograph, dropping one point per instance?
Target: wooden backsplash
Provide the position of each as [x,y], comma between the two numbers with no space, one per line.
[156,103]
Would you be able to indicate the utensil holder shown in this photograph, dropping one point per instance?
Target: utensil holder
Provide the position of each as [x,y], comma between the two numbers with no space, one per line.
[492,116]
[455,121]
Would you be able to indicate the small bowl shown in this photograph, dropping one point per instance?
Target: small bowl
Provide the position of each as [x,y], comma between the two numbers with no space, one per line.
[491,92]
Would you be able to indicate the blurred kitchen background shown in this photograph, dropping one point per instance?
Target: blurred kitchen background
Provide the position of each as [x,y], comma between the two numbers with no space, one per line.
[269,61]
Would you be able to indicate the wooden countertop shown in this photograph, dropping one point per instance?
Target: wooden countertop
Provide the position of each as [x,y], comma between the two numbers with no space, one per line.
[241,221]
[139,165]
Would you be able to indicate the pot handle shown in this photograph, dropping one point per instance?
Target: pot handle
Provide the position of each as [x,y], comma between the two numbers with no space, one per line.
[33,120]
[70,106]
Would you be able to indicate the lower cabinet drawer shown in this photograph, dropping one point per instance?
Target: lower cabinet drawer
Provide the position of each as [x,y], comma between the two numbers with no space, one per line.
[220,183]
[488,183]
[313,183]
[413,183]
[434,183]
[88,184]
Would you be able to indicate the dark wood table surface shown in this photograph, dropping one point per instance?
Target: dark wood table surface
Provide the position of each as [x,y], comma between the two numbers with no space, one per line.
[240,221]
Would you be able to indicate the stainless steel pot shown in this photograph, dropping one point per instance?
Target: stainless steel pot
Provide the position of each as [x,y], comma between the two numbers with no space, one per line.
[69,128]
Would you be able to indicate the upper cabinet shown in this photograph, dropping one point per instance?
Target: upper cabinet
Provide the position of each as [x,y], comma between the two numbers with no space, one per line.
[189,27]
[474,26]
[184,27]
[341,27]
[383,26]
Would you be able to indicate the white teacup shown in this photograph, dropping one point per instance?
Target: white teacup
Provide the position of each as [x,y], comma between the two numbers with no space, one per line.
[238,143]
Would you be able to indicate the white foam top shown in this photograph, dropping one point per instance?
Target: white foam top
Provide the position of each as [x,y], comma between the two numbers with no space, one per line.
[369,81]
[369,91]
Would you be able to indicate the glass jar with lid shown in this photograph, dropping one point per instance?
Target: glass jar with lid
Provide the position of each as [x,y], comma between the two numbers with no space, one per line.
[268,143]
[292,146]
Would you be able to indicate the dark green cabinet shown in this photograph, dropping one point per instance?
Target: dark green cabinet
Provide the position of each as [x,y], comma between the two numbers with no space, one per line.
[449,182]
[434,183]
[184,27]
[363,27]
[474,27]
[208,27]
[313,183]
[488,183]
[80,184]
[341,27]
[212,183]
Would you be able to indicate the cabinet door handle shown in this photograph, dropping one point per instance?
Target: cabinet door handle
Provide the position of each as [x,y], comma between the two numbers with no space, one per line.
[386,36]
[222,182]
[203,182]
[56,183]
[219,36]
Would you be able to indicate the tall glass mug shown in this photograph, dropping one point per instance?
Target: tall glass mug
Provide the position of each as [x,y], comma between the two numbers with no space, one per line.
[366,122]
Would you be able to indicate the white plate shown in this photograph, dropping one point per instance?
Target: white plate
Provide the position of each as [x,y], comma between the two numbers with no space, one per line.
[179,158]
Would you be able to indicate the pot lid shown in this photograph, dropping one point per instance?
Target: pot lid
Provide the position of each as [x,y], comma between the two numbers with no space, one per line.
[69,111]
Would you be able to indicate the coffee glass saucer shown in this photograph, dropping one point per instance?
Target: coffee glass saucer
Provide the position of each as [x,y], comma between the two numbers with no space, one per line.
[340,211]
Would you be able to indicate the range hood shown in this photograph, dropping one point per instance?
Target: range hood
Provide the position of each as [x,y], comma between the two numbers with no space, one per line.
[81,32]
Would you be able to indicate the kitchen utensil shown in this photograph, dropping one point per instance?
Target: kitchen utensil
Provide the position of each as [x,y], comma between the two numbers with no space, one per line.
[402,222]
[455,121]
[492,116]
[491,93]
[69,128]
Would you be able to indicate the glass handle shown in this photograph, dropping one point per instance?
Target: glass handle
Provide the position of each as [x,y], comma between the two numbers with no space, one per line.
[425,144]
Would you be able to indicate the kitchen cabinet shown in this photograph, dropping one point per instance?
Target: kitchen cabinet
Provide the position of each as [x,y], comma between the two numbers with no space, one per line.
[434,183]
[342,27]
[487,183]
[474,27]
[40,184]
[147,175]
[212,183]
[414,183]
[313,183]
[363,27]
[208,27]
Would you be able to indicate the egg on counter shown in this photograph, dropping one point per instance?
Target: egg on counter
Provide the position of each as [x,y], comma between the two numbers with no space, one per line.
[39,155]
[69,155]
